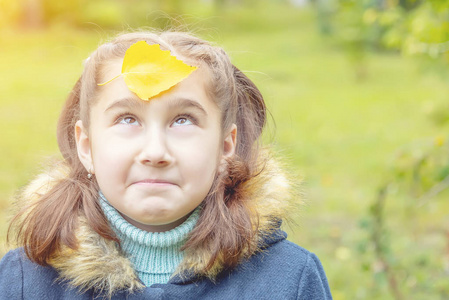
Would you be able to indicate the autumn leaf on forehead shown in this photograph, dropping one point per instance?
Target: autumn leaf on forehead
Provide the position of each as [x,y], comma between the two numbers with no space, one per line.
[147,70]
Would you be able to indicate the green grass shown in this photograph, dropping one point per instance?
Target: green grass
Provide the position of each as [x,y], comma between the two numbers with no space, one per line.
[338,133]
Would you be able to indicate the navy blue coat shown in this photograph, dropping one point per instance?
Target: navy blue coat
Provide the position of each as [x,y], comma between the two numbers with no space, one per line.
[282,270]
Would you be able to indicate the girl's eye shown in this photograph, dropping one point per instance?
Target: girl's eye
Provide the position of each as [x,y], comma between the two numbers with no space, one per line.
[128,120]
[182,121]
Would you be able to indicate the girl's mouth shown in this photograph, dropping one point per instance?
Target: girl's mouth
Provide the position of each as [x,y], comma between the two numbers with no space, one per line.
[154,182]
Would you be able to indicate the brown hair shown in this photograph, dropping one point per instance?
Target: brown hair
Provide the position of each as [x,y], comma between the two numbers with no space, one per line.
[226,226]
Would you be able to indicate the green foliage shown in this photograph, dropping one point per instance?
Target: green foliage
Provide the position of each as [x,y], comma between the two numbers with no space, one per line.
[407,215]
[417,182]
[415,28]
[106,14]
[119,14]
[408,211]
[422,31]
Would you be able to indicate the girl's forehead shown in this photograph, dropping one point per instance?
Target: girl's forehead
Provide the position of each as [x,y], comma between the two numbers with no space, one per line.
[110,69]
[193,88]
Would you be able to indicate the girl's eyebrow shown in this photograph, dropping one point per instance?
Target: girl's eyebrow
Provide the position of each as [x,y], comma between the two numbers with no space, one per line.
[186,103]
[175,103]
[126,103]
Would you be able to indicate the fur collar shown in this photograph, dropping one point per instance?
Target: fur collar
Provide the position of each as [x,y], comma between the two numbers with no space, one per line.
[100,264]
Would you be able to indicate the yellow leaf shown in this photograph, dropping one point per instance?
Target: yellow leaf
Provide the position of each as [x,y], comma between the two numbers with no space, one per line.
[147,70]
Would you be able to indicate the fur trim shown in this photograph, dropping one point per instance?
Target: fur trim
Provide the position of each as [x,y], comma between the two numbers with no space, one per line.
[98,263]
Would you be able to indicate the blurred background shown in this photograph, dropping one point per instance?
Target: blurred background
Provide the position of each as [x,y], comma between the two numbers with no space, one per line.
[359,94]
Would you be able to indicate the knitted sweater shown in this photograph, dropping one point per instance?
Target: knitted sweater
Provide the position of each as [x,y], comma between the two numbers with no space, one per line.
[155,255]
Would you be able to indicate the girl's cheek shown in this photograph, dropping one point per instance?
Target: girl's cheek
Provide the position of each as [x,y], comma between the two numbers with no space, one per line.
[115,145]
[196,148]
[125,131]
[186,138]
[184,132]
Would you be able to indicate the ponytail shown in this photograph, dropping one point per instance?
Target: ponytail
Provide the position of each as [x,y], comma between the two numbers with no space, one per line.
[227,226]
[55,200]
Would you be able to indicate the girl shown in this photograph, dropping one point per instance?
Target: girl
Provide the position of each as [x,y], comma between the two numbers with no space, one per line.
[163,192]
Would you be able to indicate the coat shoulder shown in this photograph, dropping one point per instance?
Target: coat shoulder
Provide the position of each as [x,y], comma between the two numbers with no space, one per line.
[20,278]
[292,269]
[282,270]
[312,280]
[11,275]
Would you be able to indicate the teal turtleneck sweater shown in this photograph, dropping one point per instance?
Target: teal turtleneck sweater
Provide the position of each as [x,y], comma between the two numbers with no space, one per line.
[155,255]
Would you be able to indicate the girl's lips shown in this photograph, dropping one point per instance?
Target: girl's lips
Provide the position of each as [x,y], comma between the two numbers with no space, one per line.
[154,182]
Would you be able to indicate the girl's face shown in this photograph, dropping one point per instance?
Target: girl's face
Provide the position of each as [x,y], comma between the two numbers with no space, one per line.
[155,160]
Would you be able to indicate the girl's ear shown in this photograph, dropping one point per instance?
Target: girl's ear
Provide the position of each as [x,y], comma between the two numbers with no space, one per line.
[229,142]
[83,146]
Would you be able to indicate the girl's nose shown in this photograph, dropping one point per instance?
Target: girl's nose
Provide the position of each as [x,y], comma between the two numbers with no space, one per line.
[154,150]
